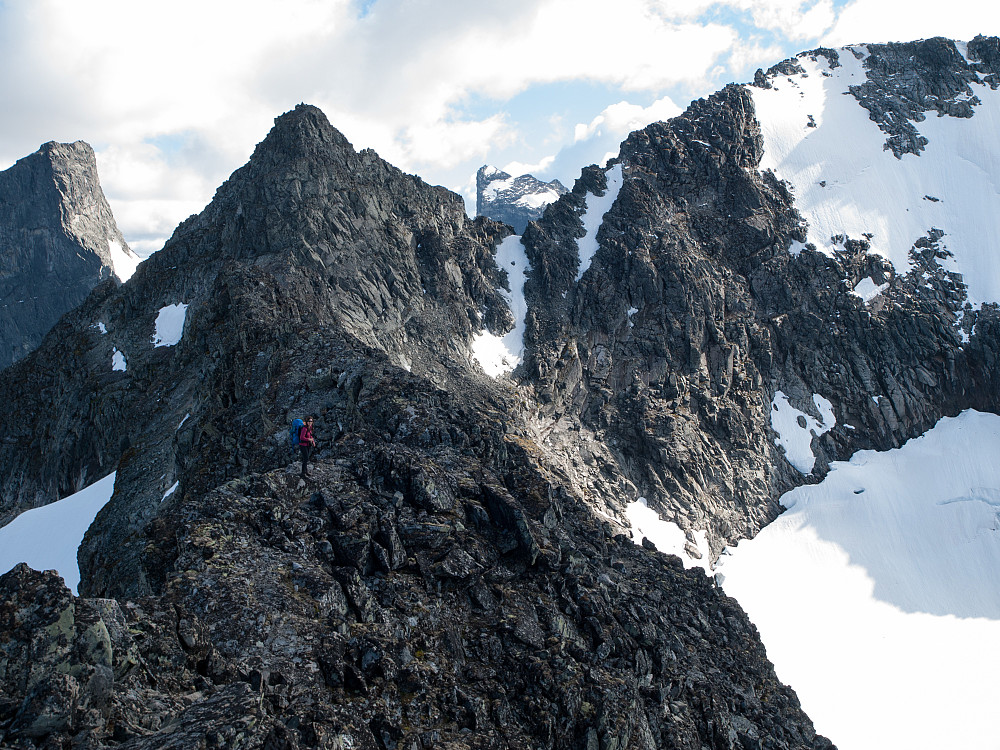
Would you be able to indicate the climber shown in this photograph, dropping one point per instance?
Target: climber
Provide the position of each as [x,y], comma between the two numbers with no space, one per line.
[307,443]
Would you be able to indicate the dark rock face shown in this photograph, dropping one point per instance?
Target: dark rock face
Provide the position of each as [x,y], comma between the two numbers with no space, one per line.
[440,581]
[408,596]
[513,200]
[55,234]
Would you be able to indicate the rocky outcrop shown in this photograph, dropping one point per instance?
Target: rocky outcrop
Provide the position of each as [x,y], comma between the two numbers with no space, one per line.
[513,200]
[58,240]
[415,593]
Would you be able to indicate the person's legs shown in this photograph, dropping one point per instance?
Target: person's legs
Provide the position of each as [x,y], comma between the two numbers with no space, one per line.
[306,451]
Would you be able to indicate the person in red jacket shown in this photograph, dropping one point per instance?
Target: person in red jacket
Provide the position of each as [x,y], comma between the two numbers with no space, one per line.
[307,442]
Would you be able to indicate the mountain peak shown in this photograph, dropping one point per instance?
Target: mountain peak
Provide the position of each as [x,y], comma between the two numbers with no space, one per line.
[58,240]
[303,132]
[513,200]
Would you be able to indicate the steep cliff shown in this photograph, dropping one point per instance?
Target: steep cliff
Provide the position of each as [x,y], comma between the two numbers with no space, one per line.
[58,240]
[660,362]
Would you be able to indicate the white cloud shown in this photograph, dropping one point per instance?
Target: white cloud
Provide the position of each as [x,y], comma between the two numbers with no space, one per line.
[622,118]
[796,19]
[864,21]
[518,168]
[447,144]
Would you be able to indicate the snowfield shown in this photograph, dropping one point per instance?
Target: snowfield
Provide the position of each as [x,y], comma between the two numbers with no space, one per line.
[47,538]
[498,355]
[876,593]
[796,429]
[593,217]
[845,183]
[123,260]
[170,325]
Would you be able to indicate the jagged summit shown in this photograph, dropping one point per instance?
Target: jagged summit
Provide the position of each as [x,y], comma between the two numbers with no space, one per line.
[303,132]
[58,240]
[513,200]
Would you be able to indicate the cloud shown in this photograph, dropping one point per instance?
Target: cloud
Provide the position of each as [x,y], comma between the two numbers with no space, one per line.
[517,168]
[151,191]
[868,21]
[622,118]
[796,19]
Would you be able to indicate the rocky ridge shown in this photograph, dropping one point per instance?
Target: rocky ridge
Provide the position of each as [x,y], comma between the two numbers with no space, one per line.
[439,582]
[513,200]
[58,240]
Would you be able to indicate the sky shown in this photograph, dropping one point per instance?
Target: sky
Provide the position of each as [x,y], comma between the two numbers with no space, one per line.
[174,97]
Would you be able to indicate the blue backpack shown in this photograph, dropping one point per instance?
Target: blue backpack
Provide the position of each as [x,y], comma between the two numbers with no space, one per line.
[293,434]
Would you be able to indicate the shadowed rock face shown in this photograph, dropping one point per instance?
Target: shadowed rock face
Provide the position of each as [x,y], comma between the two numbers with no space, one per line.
[438,582]
[55,235]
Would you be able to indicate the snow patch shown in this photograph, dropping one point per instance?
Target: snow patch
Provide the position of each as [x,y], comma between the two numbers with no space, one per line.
[170,324]
[118,361]
[593,217]
[123,260]
[537,200]
[101,327]
[47,538]
[501,354]
[867,289]
[170,492]
[876,592]
[796,429]
[668,537]
[493,190]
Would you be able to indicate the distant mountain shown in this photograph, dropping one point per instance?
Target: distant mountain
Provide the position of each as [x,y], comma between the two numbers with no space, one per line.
[513,200]
[58,240]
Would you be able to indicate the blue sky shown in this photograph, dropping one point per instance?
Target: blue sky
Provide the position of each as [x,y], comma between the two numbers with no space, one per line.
[173,97]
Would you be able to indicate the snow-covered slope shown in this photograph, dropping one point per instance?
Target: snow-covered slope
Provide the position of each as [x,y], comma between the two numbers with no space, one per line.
[48,538]
[876,592]
[844,170]
[501,354]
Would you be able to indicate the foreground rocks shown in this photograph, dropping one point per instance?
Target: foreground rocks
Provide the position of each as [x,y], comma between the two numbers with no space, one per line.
[405,597]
